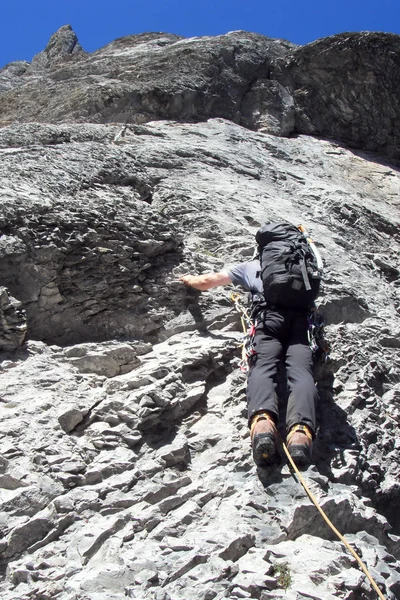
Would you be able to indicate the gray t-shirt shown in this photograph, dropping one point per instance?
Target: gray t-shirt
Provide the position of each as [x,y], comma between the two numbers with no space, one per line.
[247,275]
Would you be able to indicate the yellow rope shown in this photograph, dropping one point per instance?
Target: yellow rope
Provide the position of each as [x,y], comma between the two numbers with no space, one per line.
[243,317]
[331,525]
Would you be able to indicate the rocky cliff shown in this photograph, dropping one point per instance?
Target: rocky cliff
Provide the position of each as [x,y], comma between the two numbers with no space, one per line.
[125,467]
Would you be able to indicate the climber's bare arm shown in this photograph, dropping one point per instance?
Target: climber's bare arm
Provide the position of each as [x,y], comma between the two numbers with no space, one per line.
[207,280]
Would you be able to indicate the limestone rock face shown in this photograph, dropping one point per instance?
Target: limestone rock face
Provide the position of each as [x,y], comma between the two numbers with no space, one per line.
[13,325]
[344,87]
[144,77]
[126,466]
[125,461]
[88,236]
[62,45]
[10,75]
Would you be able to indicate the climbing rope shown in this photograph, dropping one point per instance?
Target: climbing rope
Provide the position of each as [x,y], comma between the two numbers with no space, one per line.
[244,313]
[331,525]
[248,330]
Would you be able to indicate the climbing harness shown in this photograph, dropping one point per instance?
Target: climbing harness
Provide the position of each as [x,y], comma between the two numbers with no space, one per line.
[316,334]
[331,525]
[249,331]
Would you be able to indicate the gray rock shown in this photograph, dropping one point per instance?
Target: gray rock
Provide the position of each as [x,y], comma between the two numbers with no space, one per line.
[323,88]
[106,359]
[329,77]
[154,75]
[176,454]
[10,75]
[70,418]
[26,535]
[125,463]
[62,45]
[269,107]
[13,325]
[237,548]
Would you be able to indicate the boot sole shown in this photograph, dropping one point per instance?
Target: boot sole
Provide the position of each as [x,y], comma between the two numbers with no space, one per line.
[264,450]
[301,455]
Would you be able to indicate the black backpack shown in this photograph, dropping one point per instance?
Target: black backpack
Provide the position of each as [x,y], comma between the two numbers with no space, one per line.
[291,268]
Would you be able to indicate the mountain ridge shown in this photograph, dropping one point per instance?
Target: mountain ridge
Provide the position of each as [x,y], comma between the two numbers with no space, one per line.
[261,83]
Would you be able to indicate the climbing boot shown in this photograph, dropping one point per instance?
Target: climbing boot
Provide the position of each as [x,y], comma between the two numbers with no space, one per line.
[299,444]
[263,434]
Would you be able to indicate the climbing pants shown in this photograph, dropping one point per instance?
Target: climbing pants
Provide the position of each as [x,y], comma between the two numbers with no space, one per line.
[282,333]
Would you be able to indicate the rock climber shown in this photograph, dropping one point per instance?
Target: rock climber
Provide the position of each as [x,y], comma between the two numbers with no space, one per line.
[279,332]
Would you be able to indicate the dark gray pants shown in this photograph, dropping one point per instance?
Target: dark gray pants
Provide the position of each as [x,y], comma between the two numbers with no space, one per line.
[283,333]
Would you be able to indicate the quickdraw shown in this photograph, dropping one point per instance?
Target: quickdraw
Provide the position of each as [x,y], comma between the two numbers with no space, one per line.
[249,331]
[316,335]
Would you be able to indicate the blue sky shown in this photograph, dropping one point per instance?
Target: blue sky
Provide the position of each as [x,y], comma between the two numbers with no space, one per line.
[26,25]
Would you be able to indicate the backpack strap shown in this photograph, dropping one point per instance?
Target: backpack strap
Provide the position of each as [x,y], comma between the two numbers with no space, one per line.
[305,274]
[300,253]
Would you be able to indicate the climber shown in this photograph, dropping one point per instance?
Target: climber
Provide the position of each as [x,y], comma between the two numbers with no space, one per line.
[279,331]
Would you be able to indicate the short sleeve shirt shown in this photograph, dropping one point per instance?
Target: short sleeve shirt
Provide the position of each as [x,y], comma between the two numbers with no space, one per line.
[247,275]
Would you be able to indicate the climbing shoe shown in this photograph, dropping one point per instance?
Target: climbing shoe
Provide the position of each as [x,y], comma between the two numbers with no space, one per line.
[299,444]
[263,439]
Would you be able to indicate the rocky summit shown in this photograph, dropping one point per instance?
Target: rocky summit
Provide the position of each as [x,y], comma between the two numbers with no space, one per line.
[125,461]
